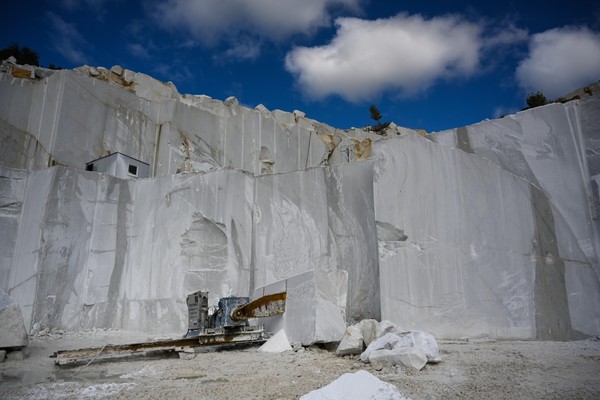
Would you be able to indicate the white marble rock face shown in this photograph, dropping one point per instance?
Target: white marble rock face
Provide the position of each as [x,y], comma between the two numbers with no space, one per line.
[486,230]
[123,254]
[319,219]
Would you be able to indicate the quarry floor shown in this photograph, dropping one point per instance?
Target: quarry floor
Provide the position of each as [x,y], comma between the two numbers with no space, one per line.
[469,370]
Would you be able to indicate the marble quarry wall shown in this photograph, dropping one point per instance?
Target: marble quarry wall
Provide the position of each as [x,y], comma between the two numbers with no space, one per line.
[320,219]
[92,250]
[99,251]
[72,117]
[487,230]
[473,249]
[554,149]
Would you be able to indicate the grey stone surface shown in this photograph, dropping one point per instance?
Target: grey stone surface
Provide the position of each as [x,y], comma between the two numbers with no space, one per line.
[465,265]
[2,355]
[12,328]
[321,218]
[15,355]
[314,307]
[554,148]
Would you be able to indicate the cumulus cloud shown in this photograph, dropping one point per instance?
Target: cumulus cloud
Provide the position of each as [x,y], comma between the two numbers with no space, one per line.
[67,40]
[560,60]
[209,20]
[403,53]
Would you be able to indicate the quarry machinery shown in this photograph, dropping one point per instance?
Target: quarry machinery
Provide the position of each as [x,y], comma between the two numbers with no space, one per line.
[231,317]
[226,324]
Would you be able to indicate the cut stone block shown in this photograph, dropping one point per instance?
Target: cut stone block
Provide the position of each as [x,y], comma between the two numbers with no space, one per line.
[315,306]
[352,342]
[12,328]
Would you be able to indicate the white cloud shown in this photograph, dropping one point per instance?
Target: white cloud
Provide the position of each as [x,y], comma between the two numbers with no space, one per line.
[560,61]
[67,40]
[403,53]
[241,50]
[209,20]
[506,35]
[138,50]
[74,4]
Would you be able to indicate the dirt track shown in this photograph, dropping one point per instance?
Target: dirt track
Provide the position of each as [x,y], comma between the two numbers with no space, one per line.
[469,370]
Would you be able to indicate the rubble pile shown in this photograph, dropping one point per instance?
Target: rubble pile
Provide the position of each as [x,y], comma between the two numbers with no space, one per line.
[384,345]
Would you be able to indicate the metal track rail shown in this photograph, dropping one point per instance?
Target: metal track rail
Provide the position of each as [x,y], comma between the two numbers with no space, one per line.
[114,352]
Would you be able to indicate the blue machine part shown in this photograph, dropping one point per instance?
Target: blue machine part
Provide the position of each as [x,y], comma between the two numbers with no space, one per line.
[226,306]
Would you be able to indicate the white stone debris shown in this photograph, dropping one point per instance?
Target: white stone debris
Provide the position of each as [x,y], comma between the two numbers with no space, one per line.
[409,357]
[360,385]
[360,335]
[387,342]
[369,328]
[384,327]
[424,341]
[413,349]
[352,342]
[277,343]
[12,328]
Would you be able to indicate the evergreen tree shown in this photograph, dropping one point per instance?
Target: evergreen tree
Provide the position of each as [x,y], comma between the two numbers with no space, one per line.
[536,99]
[24,55]
[375,114]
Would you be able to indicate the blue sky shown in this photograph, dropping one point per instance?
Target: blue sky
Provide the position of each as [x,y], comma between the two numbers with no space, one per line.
[429,65]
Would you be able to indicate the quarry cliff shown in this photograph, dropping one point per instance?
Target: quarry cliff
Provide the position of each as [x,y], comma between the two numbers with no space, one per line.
[489,230]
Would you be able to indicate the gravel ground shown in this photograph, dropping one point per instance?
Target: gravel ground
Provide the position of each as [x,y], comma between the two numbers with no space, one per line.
[469,370]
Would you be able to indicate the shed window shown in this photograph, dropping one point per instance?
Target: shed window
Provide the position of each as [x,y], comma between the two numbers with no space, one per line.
[133,170]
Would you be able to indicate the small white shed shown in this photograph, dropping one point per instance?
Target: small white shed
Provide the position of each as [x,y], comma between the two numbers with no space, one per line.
[119,165]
